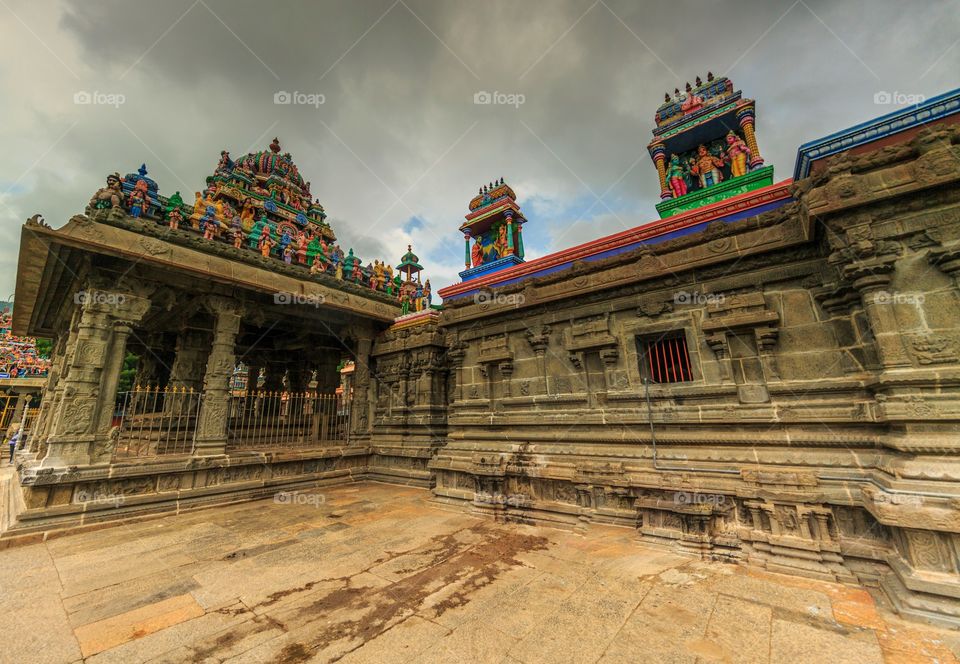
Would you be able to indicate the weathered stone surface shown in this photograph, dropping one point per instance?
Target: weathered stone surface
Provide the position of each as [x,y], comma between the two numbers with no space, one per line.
[457,588]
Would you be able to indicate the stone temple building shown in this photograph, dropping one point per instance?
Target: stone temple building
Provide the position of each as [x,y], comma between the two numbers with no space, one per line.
[769,374]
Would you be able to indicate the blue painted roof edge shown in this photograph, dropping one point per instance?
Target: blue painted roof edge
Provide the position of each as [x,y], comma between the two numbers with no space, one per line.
[902,119]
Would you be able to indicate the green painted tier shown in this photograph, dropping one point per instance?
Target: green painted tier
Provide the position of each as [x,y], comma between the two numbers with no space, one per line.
[761,177]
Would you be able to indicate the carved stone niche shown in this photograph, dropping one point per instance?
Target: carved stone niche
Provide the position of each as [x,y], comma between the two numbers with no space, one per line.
[591,334]
[495,350]
[743,314]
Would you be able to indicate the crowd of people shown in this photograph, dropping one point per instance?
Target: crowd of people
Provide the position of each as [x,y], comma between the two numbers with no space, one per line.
[18,355]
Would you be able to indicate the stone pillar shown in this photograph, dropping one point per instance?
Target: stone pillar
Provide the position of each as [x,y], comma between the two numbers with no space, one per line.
[659,153]
[19,408]
[746,118]
[102,446]
[871,278]
[718,344]
[766,341]
[456,354]
[187,369]
[211,437]
[510,248]
[90,384]
[52,393]
[466,249]
[360,408]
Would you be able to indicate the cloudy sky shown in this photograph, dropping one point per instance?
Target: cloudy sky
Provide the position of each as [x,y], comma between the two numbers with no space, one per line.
[398,146]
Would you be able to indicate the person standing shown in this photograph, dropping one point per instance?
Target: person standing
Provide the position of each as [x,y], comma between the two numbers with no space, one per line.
[14,439]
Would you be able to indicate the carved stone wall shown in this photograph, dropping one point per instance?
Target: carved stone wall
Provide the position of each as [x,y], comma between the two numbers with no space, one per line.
[819,432]
[410,374]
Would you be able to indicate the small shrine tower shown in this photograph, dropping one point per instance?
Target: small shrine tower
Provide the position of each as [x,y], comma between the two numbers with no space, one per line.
[410,265]
[495,223]
[704,146]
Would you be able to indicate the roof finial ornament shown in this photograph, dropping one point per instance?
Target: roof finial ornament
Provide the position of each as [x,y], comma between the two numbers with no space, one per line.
[275,146]
[689,87]
[699,82]
[709,77]
[666,96]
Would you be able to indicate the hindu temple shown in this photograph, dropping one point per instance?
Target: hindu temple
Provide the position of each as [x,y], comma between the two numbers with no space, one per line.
[788,348]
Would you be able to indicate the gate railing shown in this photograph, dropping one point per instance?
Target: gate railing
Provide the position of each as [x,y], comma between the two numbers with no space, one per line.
[261,420]
[153,421]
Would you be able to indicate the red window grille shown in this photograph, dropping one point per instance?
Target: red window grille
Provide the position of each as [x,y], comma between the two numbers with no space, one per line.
[665,359]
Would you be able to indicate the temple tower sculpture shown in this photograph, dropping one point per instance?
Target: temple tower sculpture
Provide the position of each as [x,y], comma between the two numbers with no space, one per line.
[495,224]
[704,146]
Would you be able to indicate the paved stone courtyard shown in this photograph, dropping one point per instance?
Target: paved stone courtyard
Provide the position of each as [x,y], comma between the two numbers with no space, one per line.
[376,573]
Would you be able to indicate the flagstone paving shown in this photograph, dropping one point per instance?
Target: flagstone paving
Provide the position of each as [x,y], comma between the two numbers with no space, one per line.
[377,573]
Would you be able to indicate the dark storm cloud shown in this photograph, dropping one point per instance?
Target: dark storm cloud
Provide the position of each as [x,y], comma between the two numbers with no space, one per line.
[398,135]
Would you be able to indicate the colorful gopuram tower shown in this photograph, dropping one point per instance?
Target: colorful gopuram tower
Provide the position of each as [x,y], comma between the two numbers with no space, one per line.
[495,224]
[704,146]
[266,186]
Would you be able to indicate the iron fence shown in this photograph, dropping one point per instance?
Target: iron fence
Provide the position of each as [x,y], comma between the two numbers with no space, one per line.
[287,420]
[154,421]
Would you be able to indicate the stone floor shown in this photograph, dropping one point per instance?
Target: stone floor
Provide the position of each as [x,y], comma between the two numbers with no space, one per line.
[376,573]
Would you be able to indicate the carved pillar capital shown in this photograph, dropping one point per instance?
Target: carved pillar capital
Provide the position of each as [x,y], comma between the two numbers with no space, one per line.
[869,276]
[947,259]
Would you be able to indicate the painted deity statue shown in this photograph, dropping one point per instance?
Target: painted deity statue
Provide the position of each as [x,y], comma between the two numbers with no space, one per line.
[174,218]
[378,276]
[247,213]
[477,253]
[707,167]
[738,154]
[677,177]
[501,245]
[418,298]
[427,294]
[285,240]
[139,199]
[110,196]
[199,209]
[225,163]
[301,248]
[236,231]
[266,242]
